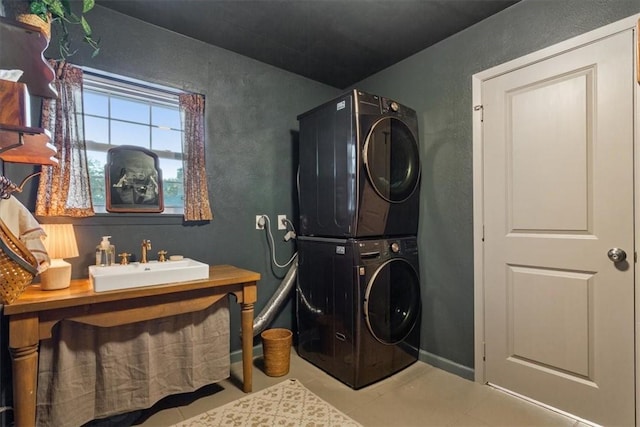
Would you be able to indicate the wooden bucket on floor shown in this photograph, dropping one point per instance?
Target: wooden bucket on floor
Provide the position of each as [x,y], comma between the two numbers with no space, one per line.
[276,348]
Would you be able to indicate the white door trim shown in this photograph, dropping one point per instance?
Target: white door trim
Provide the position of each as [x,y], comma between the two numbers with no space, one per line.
[478,173]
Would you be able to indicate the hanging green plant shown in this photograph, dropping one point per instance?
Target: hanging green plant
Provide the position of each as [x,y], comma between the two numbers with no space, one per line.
[59,13]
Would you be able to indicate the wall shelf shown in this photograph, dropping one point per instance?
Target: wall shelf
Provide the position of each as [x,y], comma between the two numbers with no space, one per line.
[23,46]
[22,49]
[23,144]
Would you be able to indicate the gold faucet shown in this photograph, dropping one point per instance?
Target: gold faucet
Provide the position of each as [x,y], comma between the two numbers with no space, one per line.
[146,245]
[124,258]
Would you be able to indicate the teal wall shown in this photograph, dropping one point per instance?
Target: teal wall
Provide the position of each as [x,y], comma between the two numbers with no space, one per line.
[437,83]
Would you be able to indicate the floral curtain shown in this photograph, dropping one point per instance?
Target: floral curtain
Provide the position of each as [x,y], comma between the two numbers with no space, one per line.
[64,188]
[196,193]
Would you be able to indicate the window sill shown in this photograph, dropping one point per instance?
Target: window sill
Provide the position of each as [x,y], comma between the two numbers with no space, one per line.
[118,219]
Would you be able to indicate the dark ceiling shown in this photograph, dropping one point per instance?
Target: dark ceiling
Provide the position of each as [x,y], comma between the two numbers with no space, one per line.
[337,42]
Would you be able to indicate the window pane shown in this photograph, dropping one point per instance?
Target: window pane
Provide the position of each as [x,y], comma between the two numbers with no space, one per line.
[171,168]
[96,130]
[162,139]
[95,103]
[133,111]
[172,182]
[97,161]
[165,117]
[129,134]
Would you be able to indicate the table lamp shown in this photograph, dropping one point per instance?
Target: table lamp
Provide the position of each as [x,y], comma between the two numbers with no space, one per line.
[60,243]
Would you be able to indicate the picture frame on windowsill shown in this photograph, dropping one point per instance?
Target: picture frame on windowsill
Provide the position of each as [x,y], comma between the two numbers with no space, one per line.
[133,180]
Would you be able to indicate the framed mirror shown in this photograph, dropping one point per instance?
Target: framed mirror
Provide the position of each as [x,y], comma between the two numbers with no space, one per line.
[133,180]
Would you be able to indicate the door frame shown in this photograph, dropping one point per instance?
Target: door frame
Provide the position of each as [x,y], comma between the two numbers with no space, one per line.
[630,23]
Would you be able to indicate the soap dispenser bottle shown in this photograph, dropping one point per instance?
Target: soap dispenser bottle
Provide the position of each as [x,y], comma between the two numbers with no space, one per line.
[105,252]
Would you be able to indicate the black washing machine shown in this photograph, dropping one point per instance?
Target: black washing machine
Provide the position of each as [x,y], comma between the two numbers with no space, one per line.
[358,306]
[359,169]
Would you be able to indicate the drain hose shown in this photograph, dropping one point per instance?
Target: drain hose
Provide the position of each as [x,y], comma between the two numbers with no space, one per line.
[276,301]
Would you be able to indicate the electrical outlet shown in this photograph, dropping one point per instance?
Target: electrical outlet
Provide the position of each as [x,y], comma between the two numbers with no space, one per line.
[282,222]
[260,222]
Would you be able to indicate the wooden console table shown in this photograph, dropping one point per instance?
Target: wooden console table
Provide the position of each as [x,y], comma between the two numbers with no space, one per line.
[33,315]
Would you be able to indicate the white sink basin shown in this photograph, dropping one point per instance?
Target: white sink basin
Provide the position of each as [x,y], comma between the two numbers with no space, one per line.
[136,275]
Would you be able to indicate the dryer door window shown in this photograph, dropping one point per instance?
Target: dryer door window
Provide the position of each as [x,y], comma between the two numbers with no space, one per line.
[392,301]
[392,160]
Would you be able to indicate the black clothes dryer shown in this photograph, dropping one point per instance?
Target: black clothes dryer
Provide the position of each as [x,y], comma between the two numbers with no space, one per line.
[358,306]
[359,168]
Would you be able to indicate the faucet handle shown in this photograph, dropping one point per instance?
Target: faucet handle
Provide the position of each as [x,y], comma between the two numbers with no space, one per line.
[124,258]
[162,256]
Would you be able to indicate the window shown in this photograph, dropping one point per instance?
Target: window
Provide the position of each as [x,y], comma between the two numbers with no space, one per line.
[121,112]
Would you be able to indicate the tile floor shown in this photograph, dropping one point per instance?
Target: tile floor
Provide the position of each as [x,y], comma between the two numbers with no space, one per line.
[420,395]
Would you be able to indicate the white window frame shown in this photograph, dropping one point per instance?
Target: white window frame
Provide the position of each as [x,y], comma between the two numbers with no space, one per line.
[127,88]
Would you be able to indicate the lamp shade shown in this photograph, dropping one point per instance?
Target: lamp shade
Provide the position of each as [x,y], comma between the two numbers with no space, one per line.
[61,241]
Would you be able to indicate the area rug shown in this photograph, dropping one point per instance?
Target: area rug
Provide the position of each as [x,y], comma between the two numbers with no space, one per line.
[287,404]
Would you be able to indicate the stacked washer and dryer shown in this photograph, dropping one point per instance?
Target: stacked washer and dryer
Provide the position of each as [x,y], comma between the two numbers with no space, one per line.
[358,286]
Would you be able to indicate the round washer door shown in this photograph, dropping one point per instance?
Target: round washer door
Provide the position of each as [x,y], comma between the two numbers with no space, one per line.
[392,301]
[392,161]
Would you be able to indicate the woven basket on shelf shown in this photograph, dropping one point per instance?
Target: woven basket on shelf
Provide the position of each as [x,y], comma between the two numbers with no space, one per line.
[19,10]
[18,266]
[36,21]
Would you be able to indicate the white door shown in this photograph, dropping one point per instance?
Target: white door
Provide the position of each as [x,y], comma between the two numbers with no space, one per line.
[558,195]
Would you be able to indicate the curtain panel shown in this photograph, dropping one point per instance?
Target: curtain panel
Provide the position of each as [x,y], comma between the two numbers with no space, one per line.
[196,193]
[64,188]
